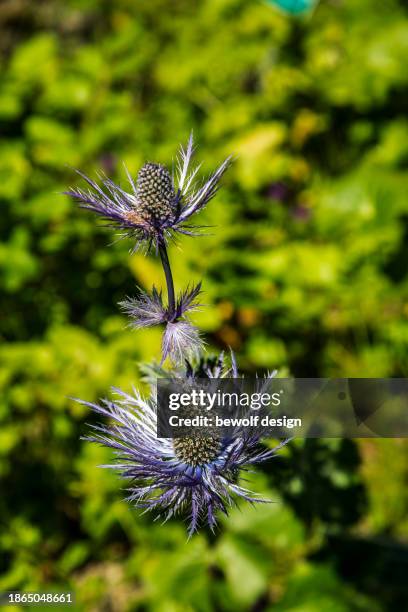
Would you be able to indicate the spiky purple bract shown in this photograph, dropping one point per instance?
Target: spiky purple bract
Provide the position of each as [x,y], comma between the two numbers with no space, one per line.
[181,340]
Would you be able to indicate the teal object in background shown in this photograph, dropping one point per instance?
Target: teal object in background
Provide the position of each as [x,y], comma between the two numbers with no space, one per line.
[294,6]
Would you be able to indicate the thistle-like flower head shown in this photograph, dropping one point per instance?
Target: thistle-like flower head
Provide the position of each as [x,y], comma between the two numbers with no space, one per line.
[195,475]
[158,204]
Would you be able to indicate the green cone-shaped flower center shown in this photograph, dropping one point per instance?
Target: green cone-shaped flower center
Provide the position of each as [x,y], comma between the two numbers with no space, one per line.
[155,193]
[197,450]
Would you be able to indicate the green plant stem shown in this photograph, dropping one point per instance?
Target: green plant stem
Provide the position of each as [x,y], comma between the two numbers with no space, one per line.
[169,278]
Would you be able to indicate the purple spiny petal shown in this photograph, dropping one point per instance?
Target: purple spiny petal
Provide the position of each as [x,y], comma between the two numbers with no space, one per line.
[186,300]
[200,198]
[145,310]
[181,341]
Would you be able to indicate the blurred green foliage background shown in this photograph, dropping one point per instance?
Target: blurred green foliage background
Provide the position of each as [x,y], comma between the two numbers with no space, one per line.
[306,271]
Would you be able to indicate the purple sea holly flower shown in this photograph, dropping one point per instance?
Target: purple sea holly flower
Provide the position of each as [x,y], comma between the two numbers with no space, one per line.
[158,205]
[194,475]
